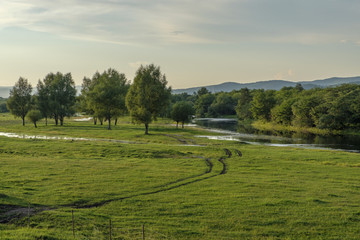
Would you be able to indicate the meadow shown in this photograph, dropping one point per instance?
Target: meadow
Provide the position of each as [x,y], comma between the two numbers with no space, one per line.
[171,183]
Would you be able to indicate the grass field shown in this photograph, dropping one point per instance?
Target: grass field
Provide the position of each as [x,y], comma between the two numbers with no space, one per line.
[172,183]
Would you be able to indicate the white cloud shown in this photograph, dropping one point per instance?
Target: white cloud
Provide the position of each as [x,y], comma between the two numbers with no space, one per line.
[284,75]
[112,21]
[185,21]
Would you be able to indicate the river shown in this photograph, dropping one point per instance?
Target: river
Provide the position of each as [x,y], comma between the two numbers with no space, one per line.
[233,130]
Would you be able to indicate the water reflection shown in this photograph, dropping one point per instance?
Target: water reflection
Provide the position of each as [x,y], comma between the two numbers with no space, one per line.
[237,131]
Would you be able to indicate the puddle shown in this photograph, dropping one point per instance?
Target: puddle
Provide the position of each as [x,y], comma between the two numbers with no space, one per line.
[43,137]
[83,119]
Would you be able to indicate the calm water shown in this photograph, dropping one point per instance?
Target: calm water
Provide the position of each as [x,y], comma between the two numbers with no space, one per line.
[233,130]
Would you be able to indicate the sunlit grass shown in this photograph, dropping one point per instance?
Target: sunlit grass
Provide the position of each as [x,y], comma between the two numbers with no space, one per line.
[159,181]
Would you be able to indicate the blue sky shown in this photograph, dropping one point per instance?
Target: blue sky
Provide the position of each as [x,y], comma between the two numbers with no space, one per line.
[194,42]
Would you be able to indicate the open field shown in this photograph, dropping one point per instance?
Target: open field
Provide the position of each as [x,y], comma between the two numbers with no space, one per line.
[172,183]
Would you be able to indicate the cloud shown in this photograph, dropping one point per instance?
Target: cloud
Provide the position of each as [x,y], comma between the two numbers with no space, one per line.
[284,75]
[185,21]
[121,21]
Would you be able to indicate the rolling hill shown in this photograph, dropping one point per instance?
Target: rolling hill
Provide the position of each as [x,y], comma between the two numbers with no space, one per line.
[229,86]
[271,84]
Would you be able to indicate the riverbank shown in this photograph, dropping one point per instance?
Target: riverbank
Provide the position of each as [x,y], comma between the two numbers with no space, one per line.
[282,129]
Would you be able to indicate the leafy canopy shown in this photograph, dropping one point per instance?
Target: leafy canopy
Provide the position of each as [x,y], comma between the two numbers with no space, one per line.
[19,102]
[148,95]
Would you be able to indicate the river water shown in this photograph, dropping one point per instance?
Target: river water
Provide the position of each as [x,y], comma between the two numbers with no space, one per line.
[233,130]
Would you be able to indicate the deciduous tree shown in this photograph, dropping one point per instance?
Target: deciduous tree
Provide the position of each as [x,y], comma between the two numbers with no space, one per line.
[19,101]
[107,95]
[34,116]
[181,112]
[61,95]
[148,95]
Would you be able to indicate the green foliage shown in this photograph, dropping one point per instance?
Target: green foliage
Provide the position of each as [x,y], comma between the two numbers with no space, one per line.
[303,110]
[57,96]
[224,104]
[34,116]
[283,113]
[244,104]
[19,101]
[262,103]
[106,96]
[183,97]
[335,108]
[3,108]
[202,91]
[43,100]
[148,96]
[181,112]
[203,103]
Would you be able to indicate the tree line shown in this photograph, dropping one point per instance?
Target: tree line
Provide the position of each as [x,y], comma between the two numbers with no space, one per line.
[3,107]
[333,108]
[108,95]
[105,96]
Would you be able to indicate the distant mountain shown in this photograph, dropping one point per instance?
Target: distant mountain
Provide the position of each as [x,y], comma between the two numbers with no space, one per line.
[5,91]
[271,84]
[229,86]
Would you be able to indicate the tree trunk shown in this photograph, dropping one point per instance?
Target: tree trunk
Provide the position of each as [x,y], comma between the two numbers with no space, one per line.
[56,120]
[46,121]
[116,121]
[109,128]
[95,120]
[35,124]
[61,121]
[146,128]
[23,118]
[101,121]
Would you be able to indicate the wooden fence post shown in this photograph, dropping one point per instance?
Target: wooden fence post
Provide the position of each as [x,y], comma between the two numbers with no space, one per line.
[28,214]
[72,214]
[143,230]
[110,227]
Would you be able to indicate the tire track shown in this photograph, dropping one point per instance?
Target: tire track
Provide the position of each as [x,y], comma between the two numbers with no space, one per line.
[238,153]
[163,188]
[209,170]
[167,186]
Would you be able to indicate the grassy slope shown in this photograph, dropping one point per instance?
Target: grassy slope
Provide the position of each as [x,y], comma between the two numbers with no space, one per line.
[269,193]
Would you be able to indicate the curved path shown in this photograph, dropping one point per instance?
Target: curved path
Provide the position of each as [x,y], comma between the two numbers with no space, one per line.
[158,189]
[166,187]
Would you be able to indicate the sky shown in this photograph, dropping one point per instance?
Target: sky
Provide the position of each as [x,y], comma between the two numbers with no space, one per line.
[195,43]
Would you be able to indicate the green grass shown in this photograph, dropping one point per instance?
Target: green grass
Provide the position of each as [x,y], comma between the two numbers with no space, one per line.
[269,193]
[274,127]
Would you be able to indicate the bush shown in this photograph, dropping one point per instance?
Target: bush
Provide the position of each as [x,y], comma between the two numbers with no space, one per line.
[34,116]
